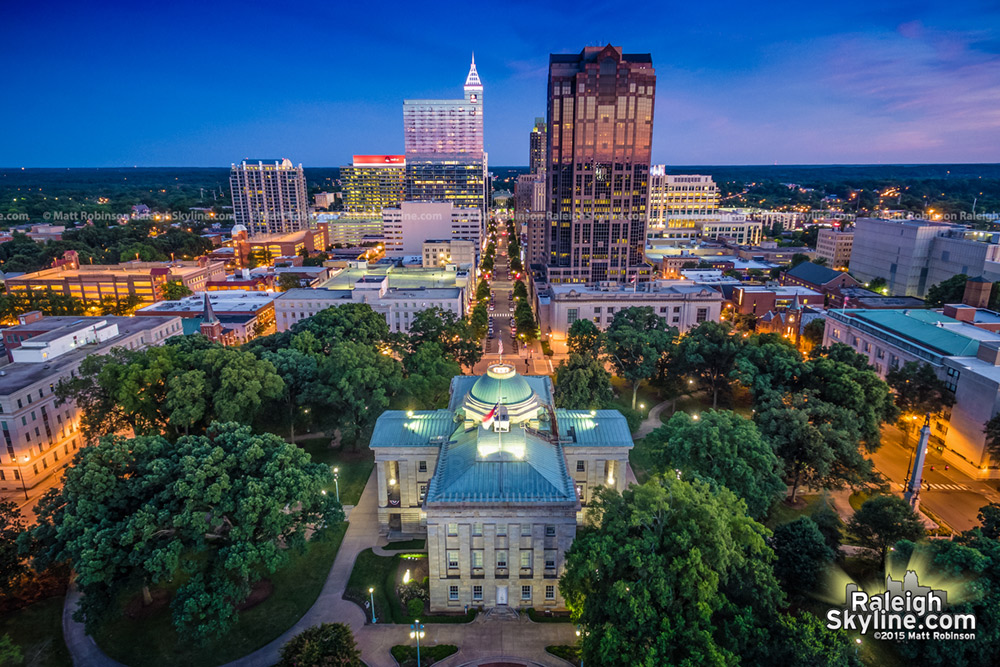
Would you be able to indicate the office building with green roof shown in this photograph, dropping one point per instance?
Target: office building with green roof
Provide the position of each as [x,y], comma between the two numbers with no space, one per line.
[961,343]
[498,483]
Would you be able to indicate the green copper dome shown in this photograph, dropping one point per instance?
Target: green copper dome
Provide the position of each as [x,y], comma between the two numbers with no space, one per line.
[501,384]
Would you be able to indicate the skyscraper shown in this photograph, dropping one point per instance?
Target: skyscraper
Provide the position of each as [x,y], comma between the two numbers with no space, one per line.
[600,122]
[445,160]
[269,196]
[536,155]
[372,183]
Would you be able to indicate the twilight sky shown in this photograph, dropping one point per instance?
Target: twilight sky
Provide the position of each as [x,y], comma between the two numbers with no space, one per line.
[184,83]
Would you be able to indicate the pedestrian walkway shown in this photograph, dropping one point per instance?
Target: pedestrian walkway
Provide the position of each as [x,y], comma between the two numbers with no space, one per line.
[937,486]
[652,421]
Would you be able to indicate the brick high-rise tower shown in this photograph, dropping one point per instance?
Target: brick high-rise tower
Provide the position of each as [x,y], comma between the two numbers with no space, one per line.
[600,131]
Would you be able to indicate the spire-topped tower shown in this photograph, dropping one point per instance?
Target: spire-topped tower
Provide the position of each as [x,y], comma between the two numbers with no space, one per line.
[472,82]
[211,326]
[207,314]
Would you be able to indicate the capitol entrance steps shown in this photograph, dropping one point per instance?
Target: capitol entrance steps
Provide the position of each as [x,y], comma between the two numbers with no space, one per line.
[501,613]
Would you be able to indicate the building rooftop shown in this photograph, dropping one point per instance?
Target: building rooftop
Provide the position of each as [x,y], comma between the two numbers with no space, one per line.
[18,375]
[228,301]
[929,329]
[813,273]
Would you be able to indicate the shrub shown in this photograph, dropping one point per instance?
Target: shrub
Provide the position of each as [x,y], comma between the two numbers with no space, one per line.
[415,607]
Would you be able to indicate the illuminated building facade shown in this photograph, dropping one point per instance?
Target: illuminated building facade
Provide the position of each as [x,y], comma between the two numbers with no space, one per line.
[372,183]
[269,196]
[600,122]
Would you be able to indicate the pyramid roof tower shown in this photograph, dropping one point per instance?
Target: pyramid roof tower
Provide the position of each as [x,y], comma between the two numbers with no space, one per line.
[207,314]
[472,81]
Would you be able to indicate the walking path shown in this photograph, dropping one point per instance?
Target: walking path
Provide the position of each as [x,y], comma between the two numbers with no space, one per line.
[481,639]
[652,421]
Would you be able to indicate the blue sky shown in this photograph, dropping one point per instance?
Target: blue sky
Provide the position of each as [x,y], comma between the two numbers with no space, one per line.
[208,83]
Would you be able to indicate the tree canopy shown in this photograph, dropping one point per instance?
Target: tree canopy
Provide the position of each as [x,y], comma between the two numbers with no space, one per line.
[947,291]
[918,390]
[585,338]
[802,552]
[721,448]
[881,521]
[581,382]
[708,353]
[216,511]
[635,341]
[324,645]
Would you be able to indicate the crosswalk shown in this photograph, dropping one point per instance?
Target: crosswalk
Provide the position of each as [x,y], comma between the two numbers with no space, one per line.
[937,486]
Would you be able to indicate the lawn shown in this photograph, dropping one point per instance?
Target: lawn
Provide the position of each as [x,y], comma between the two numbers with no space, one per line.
[569,653]
[152,641]
[406,545]
[647,396]
[783,513]
[382,574]
[354,468]
[542,617]
[37,630]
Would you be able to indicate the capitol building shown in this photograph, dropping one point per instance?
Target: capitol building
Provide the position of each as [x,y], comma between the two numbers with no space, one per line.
[498,483]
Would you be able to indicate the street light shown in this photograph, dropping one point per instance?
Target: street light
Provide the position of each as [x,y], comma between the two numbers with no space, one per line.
[20,474]
[371,594]
[418,633]
[336,480]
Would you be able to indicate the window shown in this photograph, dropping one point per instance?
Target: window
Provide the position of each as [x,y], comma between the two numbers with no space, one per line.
[452,529]
[477,558]
[525,530]
[423,492]
[550,560]
[477,529]
[597,309]
[452,559]
[525,592]
[502,559]
[453,592]
[525,559]
[550,531]
[702,315]
[477,592]
[550,592]
[501,530]
[581,466]
[572,315]
[422,466]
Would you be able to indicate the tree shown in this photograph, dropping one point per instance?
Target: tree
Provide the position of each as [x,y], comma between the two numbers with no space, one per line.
[884,520]
[482,290]
[947,291]
[525,319]
[173,290]
[708,352]
[807,642]
[12,565]
[429,372]
[817,442]
[520,291]
[799,258]
[353,386]
[972,561]
[802,552]
[878,284]
[298,371]
[325,645]
[215,512]
[813,331]
[989,518]
[455,336]
[918,389]
[287,281]
[10,653]
[259,256]
[582,383]
[585,338]
[355,322]
[768,363]
[126,307]
[829,524]
[635,341]
[479,319]
[720,448]
[674,574]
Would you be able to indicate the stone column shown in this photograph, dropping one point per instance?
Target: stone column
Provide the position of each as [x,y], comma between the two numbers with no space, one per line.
[383,496]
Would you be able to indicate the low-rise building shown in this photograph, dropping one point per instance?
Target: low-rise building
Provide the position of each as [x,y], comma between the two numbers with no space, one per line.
[247,314]
[834,245]
[817,278]
[498,483]
[94,282]
[398,292]
[965,355]
[441,252]
[40,432]
[759,300]
[681,303]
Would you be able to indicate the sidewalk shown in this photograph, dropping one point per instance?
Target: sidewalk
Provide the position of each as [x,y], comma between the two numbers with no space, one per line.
[652,421]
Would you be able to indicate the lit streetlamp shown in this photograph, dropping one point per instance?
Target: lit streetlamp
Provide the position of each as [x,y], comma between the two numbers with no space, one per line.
[371,594]
[336,481]
[417,633]
[20,473]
